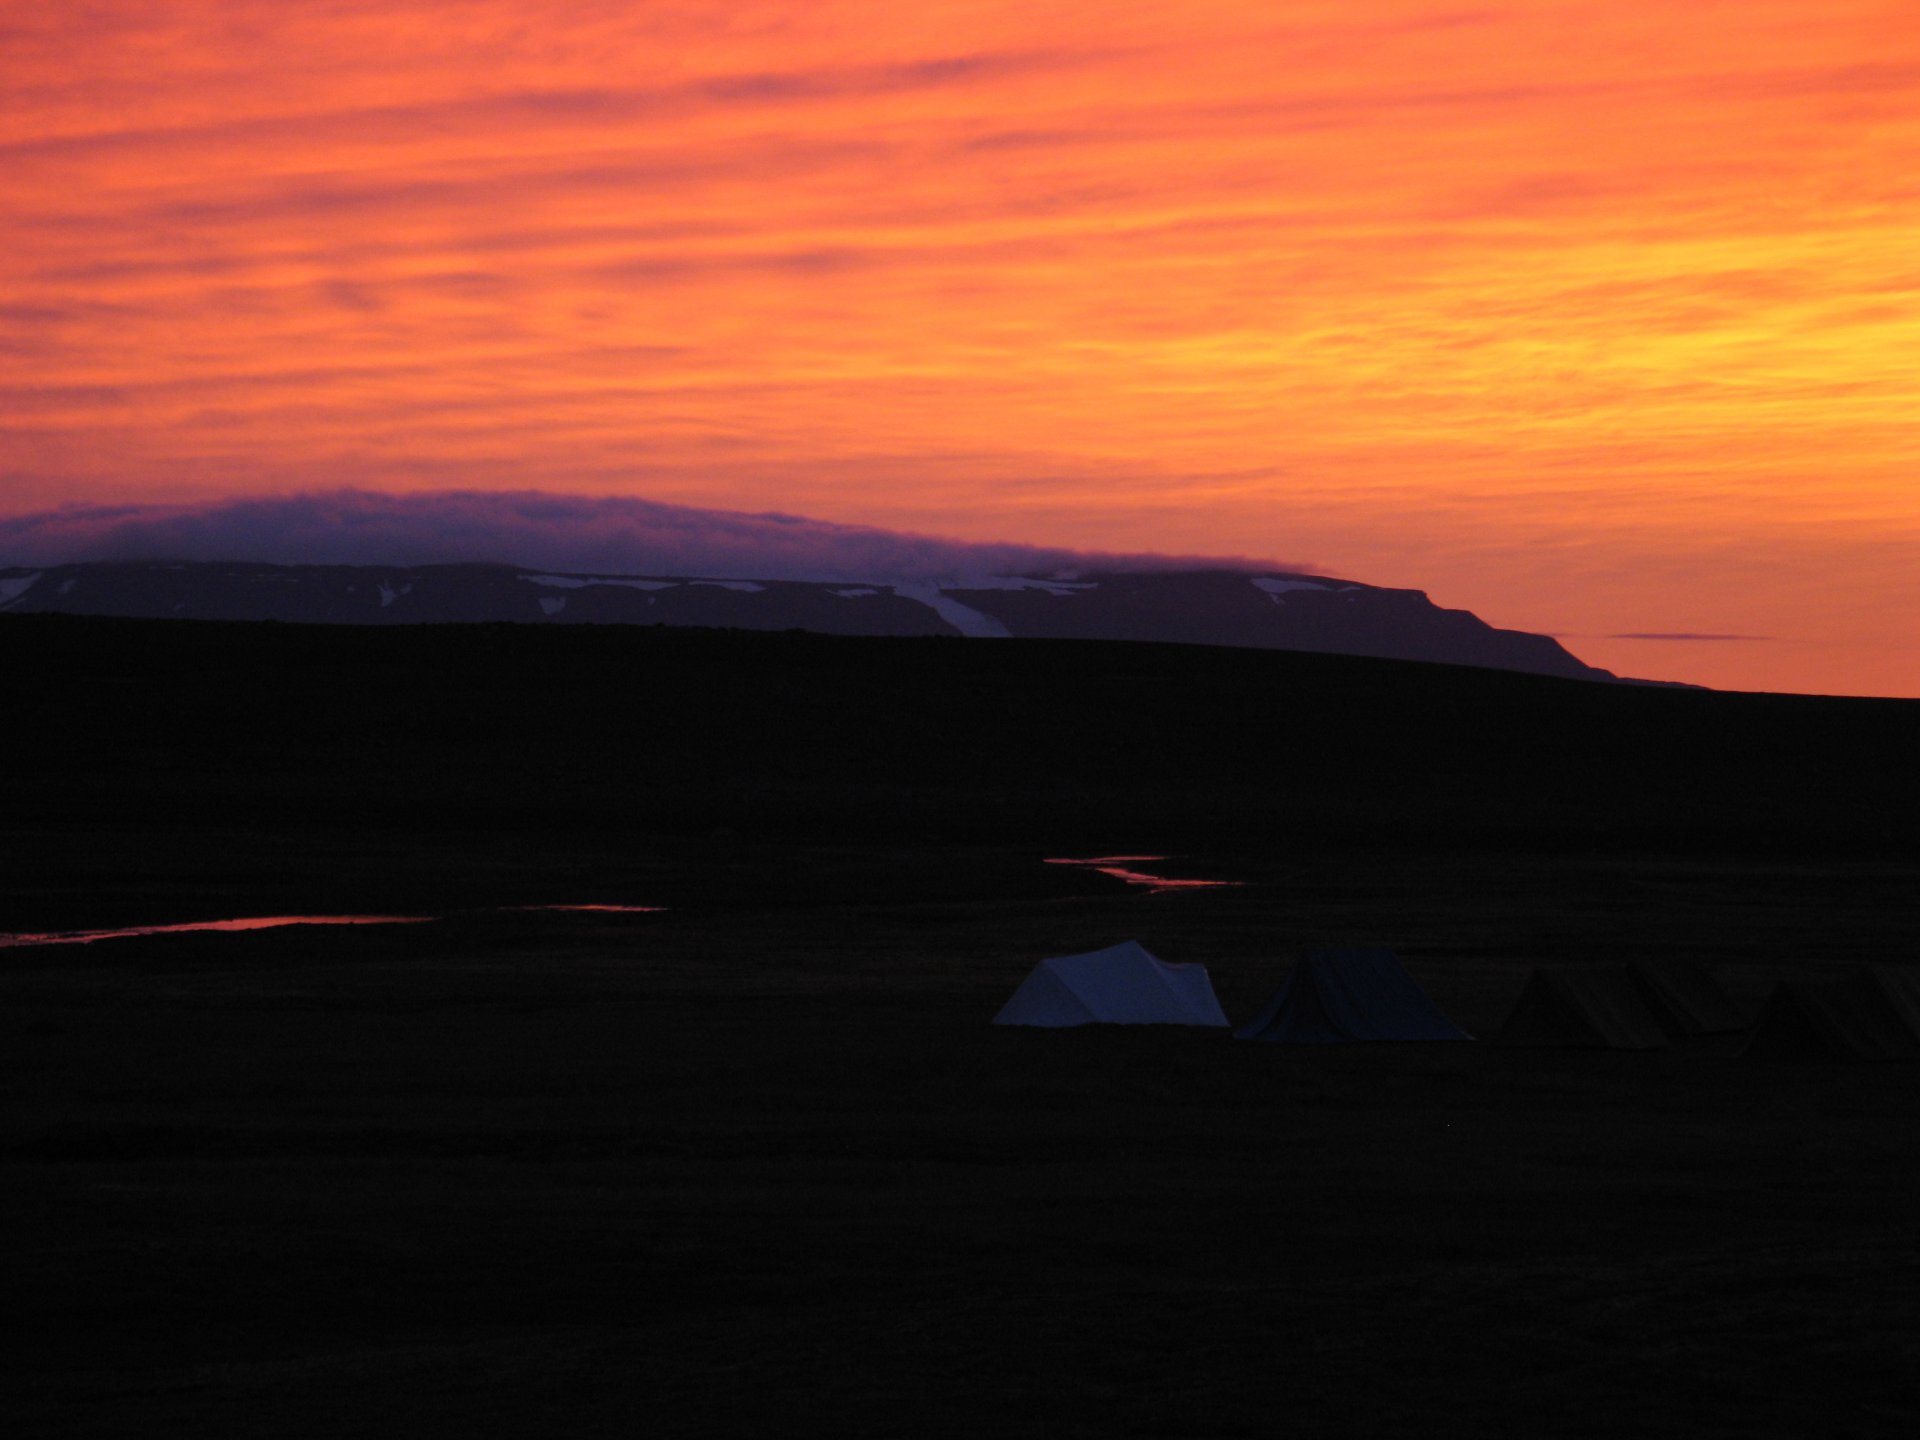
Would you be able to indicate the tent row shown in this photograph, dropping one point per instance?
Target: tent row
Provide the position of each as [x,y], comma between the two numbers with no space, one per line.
[1344,996]
[1642,1006]
[1852,1012]
[1329,997]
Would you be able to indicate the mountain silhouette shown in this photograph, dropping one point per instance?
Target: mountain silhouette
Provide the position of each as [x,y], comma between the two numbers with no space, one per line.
[1270,611]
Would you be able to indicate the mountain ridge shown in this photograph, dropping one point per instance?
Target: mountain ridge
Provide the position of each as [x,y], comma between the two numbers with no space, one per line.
[1276,610]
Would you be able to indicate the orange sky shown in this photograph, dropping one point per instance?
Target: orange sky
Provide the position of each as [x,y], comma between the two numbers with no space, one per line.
[1590,316]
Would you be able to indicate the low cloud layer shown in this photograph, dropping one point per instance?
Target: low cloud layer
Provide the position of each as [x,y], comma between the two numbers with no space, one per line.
[575,533]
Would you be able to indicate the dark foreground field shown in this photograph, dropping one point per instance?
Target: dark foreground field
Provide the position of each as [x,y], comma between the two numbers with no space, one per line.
[759,1165]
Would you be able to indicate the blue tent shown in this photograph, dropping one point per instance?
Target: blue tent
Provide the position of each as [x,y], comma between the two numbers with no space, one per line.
[1122,985]
[1332,997]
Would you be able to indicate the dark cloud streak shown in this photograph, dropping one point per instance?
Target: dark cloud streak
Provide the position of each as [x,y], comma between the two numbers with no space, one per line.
[1681,635]
[534,529]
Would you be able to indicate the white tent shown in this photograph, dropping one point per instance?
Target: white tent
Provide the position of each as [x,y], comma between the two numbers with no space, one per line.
[1121,985]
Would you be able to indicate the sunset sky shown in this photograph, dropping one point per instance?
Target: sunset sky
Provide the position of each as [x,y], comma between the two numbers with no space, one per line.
[1598,317]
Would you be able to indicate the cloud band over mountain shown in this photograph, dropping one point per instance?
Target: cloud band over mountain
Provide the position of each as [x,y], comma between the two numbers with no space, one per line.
[577,533]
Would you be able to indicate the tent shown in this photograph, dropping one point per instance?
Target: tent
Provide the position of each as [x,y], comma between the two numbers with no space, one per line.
[1684,998]
[1593,1006]
[1862,1013]
[1901,986]
[1334,996]
[1124,984]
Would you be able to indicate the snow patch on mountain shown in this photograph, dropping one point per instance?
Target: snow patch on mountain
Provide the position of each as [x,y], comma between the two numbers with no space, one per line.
[965,619]
[1020,582]
[553,604]
[1276,588]
[745,587]
[12,589]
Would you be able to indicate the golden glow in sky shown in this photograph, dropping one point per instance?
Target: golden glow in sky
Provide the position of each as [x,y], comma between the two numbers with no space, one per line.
[1590,316]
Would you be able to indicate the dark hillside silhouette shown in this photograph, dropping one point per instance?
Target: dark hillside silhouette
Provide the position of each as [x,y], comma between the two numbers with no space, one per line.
[630,730]
[759,1163]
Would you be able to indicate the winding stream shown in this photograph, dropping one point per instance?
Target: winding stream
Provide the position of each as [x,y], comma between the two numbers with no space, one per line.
[271,922]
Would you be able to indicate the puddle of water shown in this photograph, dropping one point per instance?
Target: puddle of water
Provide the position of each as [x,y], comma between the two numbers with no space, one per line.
[1118,866]
[255,922]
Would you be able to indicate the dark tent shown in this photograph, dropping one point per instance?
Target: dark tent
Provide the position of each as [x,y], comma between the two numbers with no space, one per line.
[1901,985]
[1861,1013]
[1593,1006]
[1685,998]
[1335,996]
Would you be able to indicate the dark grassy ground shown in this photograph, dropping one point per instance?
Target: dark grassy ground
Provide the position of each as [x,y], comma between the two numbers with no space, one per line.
[759,1164]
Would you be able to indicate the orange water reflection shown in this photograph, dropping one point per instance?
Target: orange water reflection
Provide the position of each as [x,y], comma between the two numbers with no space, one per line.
[599,909]
[255,922]
[270,922]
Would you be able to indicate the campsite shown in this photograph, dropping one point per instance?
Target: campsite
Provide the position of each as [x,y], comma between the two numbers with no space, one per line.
[759,1161]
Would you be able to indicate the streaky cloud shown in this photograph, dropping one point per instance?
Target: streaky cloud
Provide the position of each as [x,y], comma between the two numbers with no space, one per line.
[1680,635]
[550,531]
[589,107]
